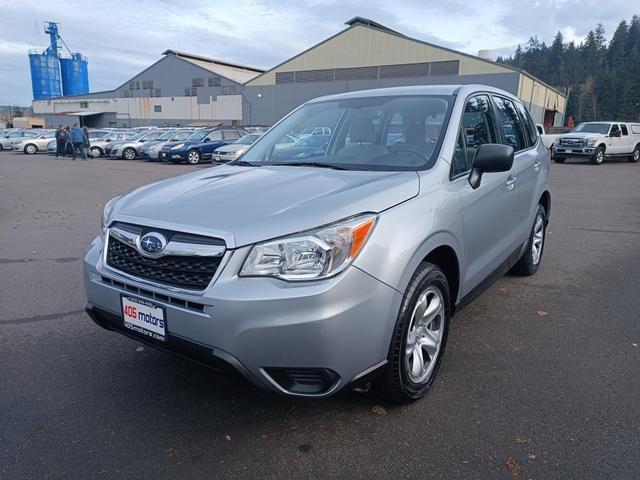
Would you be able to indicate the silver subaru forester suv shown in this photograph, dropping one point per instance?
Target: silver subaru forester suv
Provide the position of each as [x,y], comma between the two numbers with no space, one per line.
[311,268]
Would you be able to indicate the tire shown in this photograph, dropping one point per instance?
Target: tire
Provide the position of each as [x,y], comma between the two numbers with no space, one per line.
[532,256]
[30,149]
[96,152]
[559,159]
[635,156]
[400,383]
[129,153]
[193,157]
[598,156]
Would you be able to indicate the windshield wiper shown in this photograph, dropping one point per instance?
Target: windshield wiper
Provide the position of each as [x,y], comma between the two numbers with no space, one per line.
[309,164]
[243,163]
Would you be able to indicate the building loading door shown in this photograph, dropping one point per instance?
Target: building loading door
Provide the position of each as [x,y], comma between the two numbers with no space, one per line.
[549,117]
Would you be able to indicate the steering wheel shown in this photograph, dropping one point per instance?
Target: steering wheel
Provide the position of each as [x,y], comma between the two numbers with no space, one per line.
[409,150]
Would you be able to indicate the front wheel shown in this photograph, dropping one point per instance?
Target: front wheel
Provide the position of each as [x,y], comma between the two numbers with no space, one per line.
[530,260]
[419,337]
[30,149]
[129,154]
[598,156]
[559,159]
[96,152]
[635,156]
[193,157]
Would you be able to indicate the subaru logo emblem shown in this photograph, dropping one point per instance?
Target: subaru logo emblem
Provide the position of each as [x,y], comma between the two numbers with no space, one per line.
[152,244]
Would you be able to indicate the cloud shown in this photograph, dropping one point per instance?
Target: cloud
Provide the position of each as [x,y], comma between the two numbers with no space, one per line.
[120,38]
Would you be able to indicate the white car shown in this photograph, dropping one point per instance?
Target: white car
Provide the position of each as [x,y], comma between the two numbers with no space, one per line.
[599,140]
[130,149]
[31,145]
[229,152]
[547,138]
[6,143]
[99,145]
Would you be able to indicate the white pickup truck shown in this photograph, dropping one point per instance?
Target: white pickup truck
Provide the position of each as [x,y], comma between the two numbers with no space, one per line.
[599,140]
[548,139]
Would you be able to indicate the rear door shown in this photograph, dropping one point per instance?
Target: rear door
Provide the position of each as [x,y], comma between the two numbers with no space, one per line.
[513,117]
[627,140]
[489,212]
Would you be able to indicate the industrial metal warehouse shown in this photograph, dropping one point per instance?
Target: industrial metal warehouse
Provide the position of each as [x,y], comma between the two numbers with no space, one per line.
[182,89]
[179,89]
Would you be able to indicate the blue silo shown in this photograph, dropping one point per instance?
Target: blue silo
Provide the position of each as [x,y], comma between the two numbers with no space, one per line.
[75,75]
[53,75]
[45,76]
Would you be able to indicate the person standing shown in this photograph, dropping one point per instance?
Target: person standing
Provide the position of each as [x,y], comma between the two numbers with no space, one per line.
[78,139]
[61,141]
[68,145]
[87,143]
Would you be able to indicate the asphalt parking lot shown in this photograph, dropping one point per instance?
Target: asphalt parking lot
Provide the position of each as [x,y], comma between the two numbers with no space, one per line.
[541,377]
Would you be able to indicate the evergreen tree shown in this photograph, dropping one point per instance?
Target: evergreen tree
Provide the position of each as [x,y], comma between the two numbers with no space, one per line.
[601,79]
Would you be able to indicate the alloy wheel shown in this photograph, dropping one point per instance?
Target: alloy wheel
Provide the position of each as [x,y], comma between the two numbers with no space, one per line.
[425,334]
[193,157]
[538,240]
[129,153]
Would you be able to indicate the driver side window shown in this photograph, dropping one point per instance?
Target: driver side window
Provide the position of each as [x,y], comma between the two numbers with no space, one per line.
[477,127]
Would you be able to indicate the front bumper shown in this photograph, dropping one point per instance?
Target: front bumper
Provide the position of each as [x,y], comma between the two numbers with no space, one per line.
[172,156]
[573,151]
[151,155]
[262,327]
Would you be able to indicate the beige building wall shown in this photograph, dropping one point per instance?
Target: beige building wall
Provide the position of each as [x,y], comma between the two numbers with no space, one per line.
[535,93]
[362,46]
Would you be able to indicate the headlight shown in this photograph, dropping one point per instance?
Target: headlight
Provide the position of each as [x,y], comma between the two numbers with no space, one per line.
[178,146]
[310,255]
[108,212]
[591,142]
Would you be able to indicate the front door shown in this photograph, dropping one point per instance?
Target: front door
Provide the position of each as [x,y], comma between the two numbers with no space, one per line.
[489,212]
[615,140]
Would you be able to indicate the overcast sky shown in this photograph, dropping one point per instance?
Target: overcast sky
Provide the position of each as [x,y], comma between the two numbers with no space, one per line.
[120,38]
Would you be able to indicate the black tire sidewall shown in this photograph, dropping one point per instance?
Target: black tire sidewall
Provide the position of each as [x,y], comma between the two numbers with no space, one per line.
[402,388]
[631,158]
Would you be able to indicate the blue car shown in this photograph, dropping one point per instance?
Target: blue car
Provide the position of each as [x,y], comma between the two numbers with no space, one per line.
[199,146]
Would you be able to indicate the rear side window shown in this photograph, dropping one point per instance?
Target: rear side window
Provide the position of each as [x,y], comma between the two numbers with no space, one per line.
[531,128]
[512,127]
[624,129]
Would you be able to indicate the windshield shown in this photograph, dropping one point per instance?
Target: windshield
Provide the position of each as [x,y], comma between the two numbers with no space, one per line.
[167,135]
[370,133]
[602,128]
[198,135]
[248,139]
[137,137]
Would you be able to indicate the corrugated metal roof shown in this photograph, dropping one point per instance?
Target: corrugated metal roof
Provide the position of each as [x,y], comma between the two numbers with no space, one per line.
[233,71]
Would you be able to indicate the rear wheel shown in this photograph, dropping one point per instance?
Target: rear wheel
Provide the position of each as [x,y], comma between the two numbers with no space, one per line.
[30,148]
[419,337]
[193,157]
[635,156]
[530,260]
[129,153]
[598,156]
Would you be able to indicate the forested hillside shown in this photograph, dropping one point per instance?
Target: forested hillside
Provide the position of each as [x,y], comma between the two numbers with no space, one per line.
[602,78]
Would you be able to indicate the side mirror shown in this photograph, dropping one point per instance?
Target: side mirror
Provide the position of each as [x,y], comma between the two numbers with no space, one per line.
[490,157]
[206,140]
[108,140]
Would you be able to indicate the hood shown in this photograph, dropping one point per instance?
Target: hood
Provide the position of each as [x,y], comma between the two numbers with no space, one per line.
[232,147]
[580,135]
[245,205]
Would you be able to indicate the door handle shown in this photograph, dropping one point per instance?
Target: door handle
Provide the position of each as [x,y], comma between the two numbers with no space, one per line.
[536,166]
[511,182]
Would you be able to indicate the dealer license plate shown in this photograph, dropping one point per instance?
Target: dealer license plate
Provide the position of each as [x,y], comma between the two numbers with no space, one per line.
[144,317]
